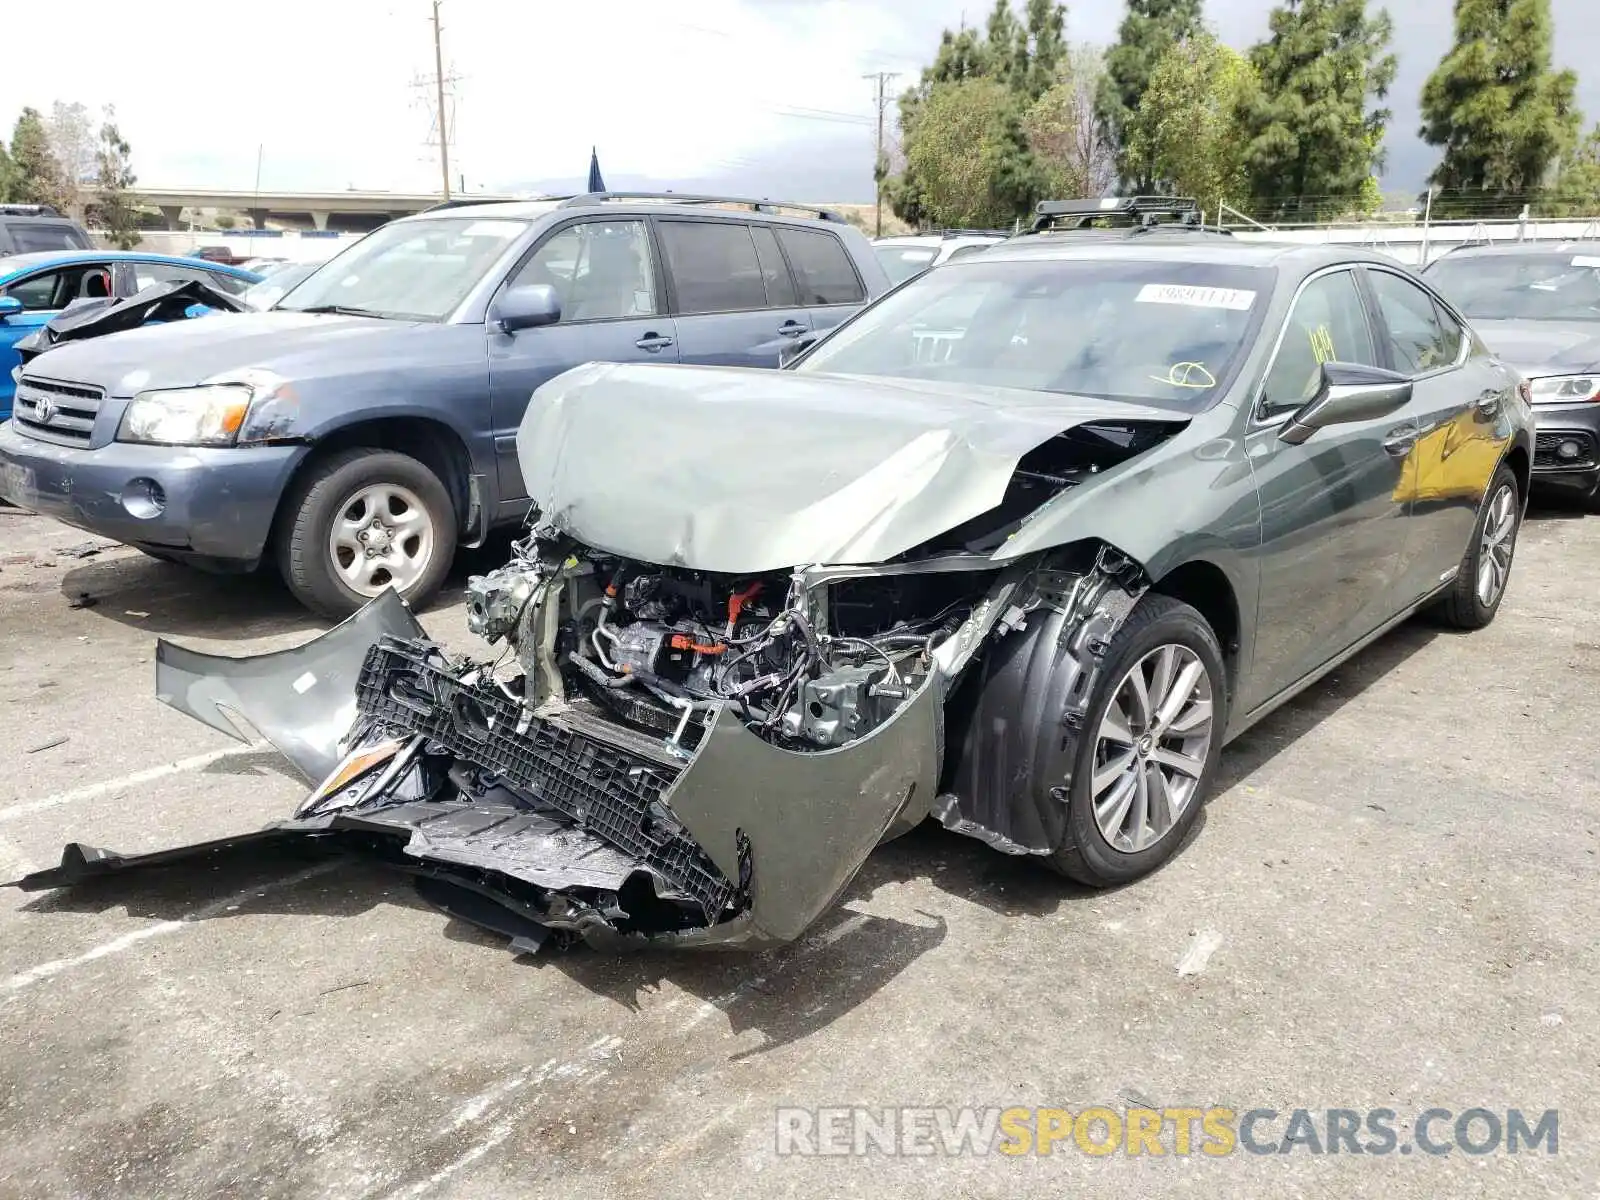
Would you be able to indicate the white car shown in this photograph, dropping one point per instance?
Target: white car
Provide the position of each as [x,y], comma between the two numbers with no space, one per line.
[913,253]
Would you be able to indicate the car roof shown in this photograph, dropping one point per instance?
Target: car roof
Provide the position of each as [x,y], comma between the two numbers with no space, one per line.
[1524,249]
[13,264]
[1180,247]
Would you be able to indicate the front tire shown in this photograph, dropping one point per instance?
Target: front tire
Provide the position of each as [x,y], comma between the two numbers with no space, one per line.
[361,521]
[1148,751]
[1480,584]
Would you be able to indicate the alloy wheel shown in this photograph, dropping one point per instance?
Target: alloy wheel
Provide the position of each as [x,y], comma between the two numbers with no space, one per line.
[1495,545]
[1152,747]
[383,537]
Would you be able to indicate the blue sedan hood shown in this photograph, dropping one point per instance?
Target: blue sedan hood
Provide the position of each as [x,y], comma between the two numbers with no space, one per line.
[185,353]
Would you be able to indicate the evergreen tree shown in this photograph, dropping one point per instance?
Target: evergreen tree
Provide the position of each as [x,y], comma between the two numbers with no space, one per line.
[37,174]
[1149,30]
[115,179]
[8,176]
[1577,191]
[1312,143]
[1019,57]
[1500,114]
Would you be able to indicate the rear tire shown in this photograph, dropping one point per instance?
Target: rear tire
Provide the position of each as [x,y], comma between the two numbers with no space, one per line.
[1489,556]
[1164,641]
[362,520]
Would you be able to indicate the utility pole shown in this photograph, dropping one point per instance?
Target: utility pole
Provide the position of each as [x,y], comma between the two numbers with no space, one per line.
[878,165]
[438,86]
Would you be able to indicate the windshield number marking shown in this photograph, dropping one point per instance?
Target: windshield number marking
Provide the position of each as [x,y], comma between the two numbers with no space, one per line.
[1237,299]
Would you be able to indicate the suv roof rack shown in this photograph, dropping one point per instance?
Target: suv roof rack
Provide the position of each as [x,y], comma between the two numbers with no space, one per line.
[762,206]
[29,210]
[1137,212]
[469,201]
[954,233]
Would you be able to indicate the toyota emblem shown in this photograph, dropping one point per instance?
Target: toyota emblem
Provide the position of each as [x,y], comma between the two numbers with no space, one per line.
[43,409]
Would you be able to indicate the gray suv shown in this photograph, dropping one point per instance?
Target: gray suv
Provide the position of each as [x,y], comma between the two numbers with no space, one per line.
[365,426]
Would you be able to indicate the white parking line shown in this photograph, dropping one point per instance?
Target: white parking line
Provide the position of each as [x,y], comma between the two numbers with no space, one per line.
[128,940]
[194,763]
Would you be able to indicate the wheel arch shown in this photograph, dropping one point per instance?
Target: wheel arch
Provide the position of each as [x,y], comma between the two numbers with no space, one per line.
[1204,586]
[430,441]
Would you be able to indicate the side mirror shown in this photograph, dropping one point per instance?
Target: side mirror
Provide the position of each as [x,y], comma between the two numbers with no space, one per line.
[796,348]
[1349,392]
[10,306]
[527,307]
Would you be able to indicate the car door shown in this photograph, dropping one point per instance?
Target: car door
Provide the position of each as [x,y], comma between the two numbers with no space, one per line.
[1457,400]
[830,288]
[1333,525]
[612,310]
[42,294]
[731,291]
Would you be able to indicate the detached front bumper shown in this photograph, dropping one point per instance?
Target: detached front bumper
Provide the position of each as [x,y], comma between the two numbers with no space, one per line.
[530,821]
[1566,452]
[207,505]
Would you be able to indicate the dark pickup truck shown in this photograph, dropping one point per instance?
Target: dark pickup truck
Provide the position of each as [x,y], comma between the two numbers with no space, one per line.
[365,426]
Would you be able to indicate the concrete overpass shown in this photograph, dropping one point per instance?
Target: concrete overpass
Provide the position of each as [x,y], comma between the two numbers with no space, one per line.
[349,211]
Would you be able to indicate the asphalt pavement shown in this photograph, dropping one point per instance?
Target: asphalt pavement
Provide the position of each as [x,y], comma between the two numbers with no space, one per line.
[1389,904]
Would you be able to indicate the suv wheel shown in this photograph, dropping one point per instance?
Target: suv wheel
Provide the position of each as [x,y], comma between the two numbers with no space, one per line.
[362,521]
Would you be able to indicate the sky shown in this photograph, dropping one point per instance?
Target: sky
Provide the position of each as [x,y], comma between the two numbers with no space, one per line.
[753,97]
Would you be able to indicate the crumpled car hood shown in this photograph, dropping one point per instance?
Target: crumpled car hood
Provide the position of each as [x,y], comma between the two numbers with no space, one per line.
[184,353]
[1543,347]
[742,470]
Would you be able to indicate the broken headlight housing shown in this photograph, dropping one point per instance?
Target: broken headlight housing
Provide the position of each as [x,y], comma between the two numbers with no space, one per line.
[1566,389]
[211,415]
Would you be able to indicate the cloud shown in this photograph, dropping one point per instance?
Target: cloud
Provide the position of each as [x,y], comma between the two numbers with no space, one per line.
[754,96]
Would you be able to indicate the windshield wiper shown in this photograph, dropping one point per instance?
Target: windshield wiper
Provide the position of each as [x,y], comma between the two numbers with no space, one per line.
[343,310]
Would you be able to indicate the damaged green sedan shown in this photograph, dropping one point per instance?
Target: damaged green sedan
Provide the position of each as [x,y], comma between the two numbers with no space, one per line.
[1019,548]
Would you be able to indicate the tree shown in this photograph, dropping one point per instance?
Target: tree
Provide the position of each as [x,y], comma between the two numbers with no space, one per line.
[8,176]
[73,142]
[1187,130]
[966,158]
[1069,144]
[37,175]
[115,179]
[1577,190]
[1019,56]
[1500,114]
[1149,29]
[1312,142]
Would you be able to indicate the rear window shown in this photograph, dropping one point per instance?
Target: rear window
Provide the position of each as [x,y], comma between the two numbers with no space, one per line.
[714,266]
[1164,333]
[821,267]
[32,237]
[1521,287]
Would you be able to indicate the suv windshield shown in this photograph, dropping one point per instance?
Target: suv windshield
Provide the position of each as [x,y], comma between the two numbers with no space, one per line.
[1526,287]
[1165,333]
[410,270]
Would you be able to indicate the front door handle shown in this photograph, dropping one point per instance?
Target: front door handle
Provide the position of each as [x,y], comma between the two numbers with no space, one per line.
[653,342]
[1401,440]
[791,329]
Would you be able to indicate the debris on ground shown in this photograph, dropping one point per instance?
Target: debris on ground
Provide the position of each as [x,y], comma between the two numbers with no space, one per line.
[50,745]
[82,550]
[82,600]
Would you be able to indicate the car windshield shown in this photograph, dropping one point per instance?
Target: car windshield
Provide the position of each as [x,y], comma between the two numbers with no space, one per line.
[1166,333]
[900,263]
[410,270]
[1525,287]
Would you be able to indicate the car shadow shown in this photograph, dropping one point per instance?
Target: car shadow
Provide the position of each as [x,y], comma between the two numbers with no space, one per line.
[167,599]
[1557,506]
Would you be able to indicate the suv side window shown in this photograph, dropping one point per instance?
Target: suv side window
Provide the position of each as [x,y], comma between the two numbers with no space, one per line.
[774,271]
[821,267]
[714,266]
[1327,324]
[601,270]
[1421,336]
[31,237]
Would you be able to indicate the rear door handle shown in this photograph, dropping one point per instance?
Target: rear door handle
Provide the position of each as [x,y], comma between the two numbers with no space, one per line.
[1400,440]
[791,329]
[653,342]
